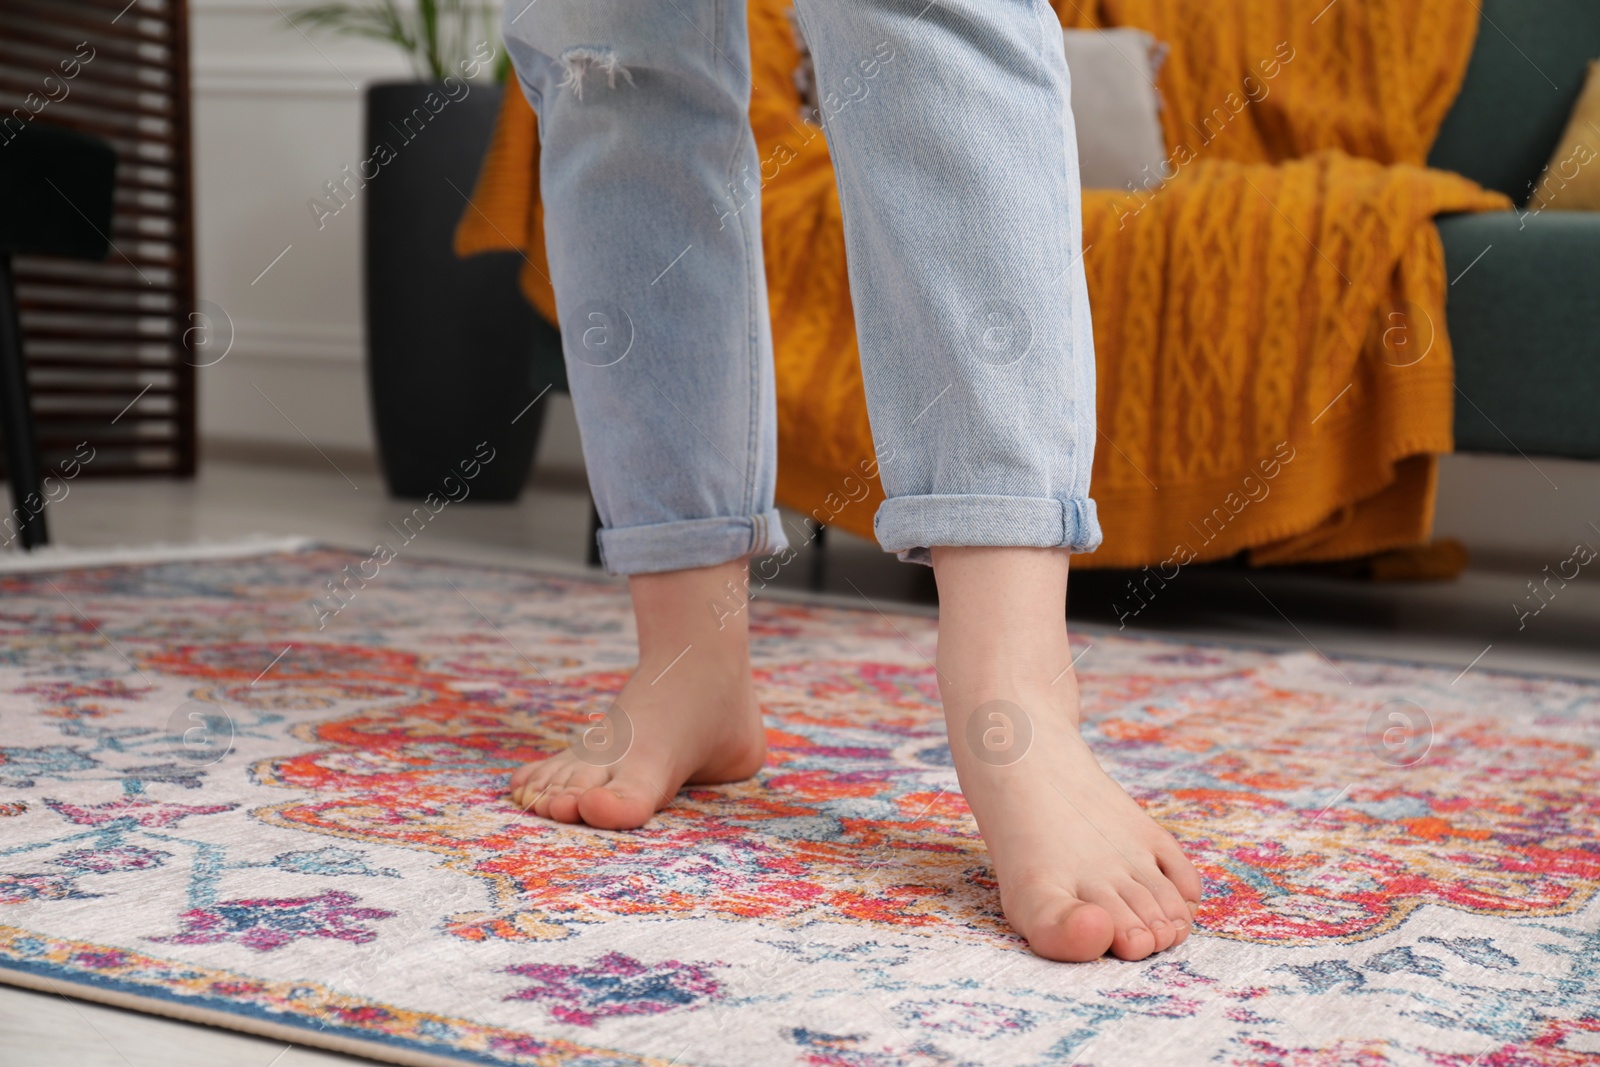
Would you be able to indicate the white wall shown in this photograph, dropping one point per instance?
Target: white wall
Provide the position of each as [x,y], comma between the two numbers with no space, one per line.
[1519,510]
[277,115]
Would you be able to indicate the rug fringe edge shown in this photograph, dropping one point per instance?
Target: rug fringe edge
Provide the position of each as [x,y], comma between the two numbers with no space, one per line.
[290,1035]
[64,557]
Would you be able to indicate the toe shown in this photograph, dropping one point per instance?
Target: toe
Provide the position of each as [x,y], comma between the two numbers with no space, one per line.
[1133,942]
[520,776]
[1063,927]
[541,799]
[528,779]
[538,801]
[624,803]
[563,805]
[1180,872]
[564,799]
[1143,904]
[1182,928]
[1131,938]
[1170,902]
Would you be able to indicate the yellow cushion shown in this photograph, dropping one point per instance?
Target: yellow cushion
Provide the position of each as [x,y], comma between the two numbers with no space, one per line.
[1571,180]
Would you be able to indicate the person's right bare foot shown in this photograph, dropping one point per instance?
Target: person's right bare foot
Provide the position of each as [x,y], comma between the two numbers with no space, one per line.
[688,713]
[1082,869]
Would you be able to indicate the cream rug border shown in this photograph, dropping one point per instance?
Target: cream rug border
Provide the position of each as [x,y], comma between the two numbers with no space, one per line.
[64,557]
[289,1035]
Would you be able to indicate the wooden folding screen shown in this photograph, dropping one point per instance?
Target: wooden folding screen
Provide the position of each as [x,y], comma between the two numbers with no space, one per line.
[112,346]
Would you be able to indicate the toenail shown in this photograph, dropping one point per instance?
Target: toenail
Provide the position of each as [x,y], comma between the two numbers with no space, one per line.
[1194,908]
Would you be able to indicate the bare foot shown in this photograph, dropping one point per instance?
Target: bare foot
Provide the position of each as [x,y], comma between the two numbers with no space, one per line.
[1082,869]
[688,714]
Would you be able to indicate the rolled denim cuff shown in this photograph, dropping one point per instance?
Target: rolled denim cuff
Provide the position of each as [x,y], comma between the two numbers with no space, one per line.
[676,546]
[909,525]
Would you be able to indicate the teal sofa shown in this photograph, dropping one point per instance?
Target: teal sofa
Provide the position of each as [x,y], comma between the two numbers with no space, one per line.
[1524,305]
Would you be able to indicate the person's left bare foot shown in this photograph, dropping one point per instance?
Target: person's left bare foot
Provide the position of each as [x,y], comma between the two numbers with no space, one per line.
[1082,868]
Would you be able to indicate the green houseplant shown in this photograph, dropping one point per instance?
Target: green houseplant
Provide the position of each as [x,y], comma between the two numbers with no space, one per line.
[449,342]
[435,37]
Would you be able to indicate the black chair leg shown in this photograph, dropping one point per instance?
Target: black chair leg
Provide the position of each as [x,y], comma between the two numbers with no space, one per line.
[593,557]
[16,420]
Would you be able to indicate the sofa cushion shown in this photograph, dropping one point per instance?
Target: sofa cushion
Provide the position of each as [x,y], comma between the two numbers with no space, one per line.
[1523,318]
[1116,108]
[1524,76]
[1571,180]
[1115,103]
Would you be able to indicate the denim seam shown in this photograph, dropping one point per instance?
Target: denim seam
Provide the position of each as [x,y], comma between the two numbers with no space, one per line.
[753,361]
[839,180]
[1078,483]
[1070,333]
[716,34]
[752,327]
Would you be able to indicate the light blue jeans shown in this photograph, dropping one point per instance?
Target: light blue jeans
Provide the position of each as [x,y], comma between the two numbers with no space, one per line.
[956,160]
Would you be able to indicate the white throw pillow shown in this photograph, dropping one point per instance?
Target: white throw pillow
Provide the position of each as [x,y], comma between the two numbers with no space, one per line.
[1116,107]
[1115,103]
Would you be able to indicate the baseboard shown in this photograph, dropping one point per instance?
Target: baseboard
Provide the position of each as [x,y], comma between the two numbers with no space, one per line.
[260,452]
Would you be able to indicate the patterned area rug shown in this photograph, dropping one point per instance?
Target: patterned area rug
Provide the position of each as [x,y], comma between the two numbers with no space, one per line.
[211,808]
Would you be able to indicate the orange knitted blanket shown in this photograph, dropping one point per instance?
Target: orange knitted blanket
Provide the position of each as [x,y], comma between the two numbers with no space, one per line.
[1274,370]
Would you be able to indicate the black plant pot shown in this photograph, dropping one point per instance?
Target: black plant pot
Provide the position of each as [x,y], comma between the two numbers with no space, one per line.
[449,341]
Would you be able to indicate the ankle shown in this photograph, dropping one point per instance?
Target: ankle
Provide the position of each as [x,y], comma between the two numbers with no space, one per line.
[675,610]
[1002,624]
[974,666]
[711,666]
